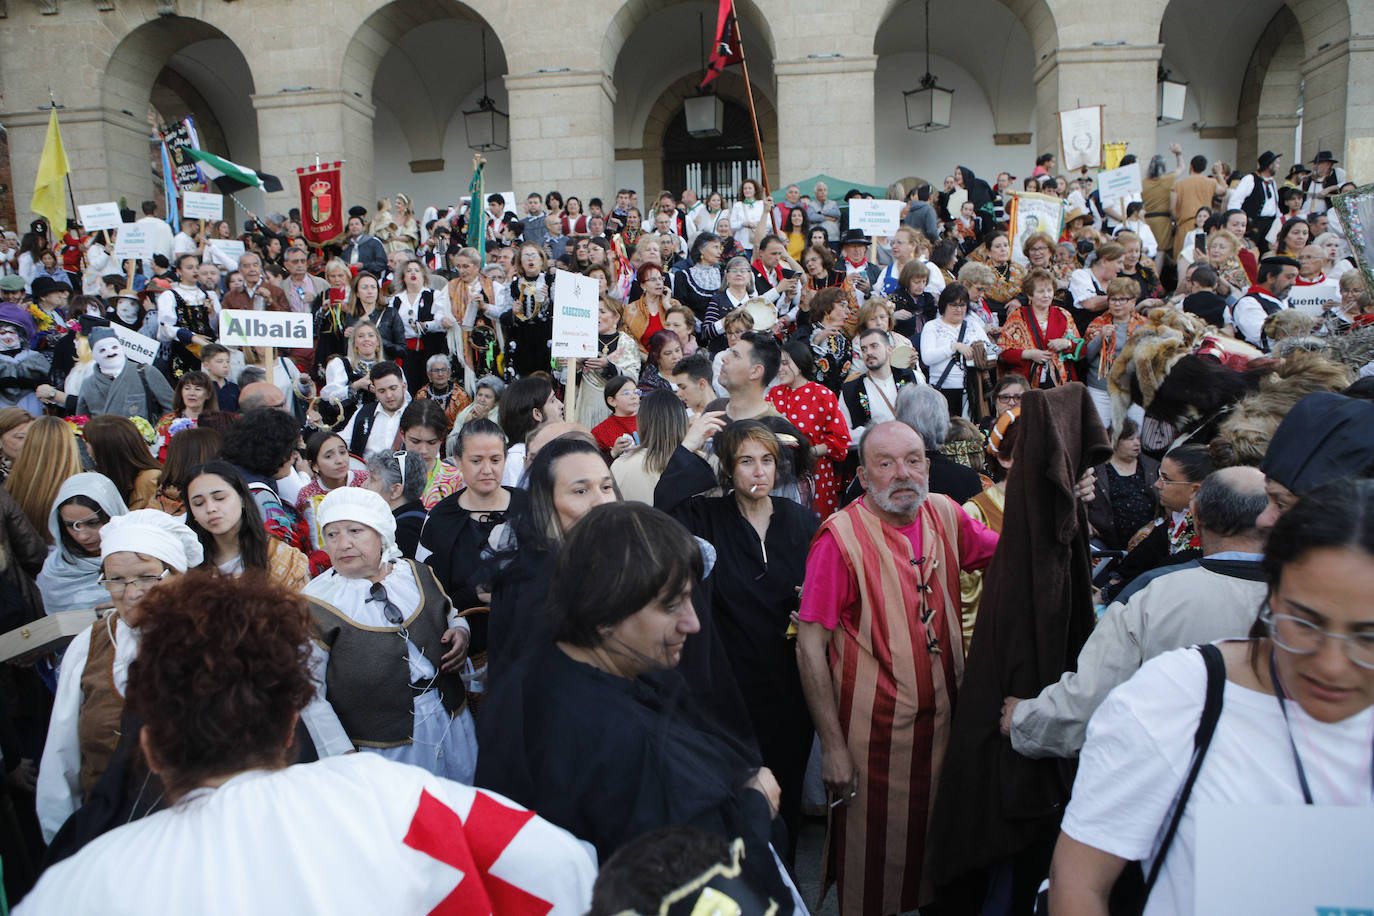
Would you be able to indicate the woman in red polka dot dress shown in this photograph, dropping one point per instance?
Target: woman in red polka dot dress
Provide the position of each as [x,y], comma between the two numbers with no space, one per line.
[813,409]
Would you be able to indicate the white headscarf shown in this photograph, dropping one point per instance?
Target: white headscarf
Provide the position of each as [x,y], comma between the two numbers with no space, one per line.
[152,533]
[68,581]
[355,504]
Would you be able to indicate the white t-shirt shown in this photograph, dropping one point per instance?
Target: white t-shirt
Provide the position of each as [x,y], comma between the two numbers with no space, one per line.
[1140,745]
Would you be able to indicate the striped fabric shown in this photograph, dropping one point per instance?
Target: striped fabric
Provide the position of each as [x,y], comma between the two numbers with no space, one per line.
[896,669]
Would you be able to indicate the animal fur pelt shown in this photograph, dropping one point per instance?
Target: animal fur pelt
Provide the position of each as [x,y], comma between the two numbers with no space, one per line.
[1244,434]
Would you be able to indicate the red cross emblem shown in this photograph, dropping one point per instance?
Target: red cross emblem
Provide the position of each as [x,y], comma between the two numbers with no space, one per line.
[472,848]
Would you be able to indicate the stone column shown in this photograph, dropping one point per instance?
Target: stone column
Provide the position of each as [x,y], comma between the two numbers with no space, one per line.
[825,117]
[1338,104]
[1121,78]
[108,152]
[562,132]
[330,123]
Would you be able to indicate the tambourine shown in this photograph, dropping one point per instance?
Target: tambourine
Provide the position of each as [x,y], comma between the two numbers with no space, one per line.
[765,315]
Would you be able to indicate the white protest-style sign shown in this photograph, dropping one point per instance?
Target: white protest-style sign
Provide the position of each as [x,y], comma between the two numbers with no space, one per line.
[99,216]
[138,347]
[1080,137]
[202,206]
[575,300]
[132,243]
[233,249]
[1248,860]
[1114,184]
[247,328]
[875,217]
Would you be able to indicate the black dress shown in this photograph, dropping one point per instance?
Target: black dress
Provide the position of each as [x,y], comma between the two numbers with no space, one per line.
[453,540]
[754,591]
[610,759]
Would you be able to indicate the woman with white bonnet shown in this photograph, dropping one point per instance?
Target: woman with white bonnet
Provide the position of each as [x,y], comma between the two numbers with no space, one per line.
[413,707]
[137,552]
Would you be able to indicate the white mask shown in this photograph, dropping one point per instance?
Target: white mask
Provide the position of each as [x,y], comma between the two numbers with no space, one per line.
[127,311]
[109,356]
[9,337]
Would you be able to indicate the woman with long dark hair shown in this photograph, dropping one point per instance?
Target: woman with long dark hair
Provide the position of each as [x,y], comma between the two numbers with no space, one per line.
[194,395]
[527,403]
[224,516]
[662,425]
[121,454]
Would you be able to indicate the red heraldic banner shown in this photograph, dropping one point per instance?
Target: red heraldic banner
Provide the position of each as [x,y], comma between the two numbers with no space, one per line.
[322,213]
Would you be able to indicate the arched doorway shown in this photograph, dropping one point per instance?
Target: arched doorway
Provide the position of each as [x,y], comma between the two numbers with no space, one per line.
[420,64]
[993,122]
[1271,95]
[652,79]
[165,70]
[711,163]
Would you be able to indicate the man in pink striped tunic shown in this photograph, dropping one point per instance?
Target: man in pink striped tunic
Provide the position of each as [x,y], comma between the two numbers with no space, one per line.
[882,595]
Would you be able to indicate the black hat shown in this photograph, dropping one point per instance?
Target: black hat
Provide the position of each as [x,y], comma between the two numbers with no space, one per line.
[1324,437]
[360,212]
[1266,158]
[854,237]
[42,286]
[1299,169]
[1325,156]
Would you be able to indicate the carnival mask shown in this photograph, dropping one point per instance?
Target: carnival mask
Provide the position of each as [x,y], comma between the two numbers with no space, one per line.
[109,356]
[127,310]
[11,338]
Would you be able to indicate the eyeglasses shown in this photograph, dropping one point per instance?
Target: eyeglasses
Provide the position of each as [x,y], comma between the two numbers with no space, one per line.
[118,586]
[389,608]
[89,523]
[1164,479]
[1302,637]
[1009,399]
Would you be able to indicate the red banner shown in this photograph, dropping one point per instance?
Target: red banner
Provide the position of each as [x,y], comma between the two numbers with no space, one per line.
[322,211]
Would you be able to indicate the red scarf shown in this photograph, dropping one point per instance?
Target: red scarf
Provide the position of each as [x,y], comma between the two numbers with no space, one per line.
[773,278]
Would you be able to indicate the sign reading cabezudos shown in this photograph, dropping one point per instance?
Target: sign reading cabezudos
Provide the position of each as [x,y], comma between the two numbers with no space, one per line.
[286,330]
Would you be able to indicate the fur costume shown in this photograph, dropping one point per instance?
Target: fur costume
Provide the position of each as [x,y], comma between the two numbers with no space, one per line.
[1244,434]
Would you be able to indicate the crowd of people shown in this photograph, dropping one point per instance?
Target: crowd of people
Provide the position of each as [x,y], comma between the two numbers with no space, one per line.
[885,531]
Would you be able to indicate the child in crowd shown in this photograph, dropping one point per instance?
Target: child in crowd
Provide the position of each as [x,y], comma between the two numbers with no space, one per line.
[327,453]
[215,362]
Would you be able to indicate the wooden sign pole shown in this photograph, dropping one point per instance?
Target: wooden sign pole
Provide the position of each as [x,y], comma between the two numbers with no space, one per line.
[570,392]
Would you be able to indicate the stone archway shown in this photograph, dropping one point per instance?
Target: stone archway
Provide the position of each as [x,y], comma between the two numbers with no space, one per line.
[1271,93]
[418,141]
[633,13]
[175,66]
[730,86]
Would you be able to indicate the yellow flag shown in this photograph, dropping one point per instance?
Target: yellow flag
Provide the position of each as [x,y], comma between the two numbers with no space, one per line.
[49,196]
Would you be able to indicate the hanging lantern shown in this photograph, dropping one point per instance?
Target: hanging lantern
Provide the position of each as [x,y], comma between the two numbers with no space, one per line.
[928,106]
[488,127]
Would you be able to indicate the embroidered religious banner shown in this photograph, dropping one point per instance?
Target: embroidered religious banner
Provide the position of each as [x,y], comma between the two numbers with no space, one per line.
[1030,213]
[322,212]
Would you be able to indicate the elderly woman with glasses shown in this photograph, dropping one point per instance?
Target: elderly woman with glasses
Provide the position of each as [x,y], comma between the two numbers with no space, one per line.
[408,706]
[137,551]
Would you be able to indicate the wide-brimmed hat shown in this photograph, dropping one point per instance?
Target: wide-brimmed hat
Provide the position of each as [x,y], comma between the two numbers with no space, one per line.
[1325,156]
[854,237]
[42,286]
[1075,213]
[1267,158]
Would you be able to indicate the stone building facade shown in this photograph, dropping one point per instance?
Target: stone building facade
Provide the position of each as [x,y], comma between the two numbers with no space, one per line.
[594,89]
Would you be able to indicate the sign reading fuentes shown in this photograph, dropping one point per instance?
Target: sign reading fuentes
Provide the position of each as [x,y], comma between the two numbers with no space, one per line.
[246,328]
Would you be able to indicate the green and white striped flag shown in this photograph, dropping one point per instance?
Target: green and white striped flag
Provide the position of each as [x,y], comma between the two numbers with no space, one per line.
[230,177]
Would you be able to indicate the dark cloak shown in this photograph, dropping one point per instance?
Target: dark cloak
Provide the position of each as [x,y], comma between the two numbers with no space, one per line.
[1036,614]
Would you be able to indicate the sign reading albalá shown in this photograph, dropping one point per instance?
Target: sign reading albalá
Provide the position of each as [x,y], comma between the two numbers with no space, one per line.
[246,328]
